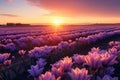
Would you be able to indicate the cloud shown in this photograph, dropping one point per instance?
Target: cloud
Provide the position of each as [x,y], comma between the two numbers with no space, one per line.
[80,7]
[0,9]
[9,0]
[9,15]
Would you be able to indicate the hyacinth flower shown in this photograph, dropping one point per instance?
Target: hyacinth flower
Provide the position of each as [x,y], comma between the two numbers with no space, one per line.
[41,63]
[108,59]
[113,51]
[7,62]
[79,59]
[93,60]
[22,52]
[11,46]
[47,76]
[47,49]
[38,52]
[63,45]
[97,50]
[13,57]
[56,69]
[62,66]
[66,63]
[115,44]
[72,44]
[107,77]
[35,71]
[79,74]
[111,43]
[4,56]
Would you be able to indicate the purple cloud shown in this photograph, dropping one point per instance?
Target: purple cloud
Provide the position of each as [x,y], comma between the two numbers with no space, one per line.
[9,0]
[80,7]
[9,15]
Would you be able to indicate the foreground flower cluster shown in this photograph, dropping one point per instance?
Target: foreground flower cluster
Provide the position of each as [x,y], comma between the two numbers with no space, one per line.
[4,58]
[97,65]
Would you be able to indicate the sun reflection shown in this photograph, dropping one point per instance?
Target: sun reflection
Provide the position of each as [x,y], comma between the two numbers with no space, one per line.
[57,24]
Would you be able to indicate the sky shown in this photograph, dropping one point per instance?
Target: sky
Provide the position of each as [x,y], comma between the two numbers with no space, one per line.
[67,11]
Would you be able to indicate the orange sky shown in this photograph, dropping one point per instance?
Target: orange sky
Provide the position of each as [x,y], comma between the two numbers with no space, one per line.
[67,11]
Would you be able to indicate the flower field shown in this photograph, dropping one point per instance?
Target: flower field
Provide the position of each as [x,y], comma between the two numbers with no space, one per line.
[66,53]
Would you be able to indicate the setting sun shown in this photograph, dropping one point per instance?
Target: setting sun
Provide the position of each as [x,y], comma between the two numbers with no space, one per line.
[57,22]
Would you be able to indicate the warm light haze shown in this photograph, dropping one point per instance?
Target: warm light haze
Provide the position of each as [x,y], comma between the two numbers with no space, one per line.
[57,22]
[69,11]
[59,39]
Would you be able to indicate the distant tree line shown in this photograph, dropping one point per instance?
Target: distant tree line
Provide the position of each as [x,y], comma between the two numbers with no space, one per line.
[15,24]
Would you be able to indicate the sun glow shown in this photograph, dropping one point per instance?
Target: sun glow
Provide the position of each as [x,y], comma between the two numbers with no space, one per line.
[57,22]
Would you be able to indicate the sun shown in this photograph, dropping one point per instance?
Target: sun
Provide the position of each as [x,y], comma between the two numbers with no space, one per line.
[57,22]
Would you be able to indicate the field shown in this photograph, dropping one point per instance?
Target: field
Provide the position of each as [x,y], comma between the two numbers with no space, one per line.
[60,53]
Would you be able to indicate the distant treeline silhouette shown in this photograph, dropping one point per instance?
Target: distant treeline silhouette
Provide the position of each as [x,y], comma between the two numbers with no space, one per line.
[15,24]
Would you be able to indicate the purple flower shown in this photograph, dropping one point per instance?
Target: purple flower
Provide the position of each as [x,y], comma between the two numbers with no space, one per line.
[11,46]
[72,44]
[38,52]
[22,52]
[93,60]
[62,66]
[66,63]
[115,44]
[35,71]
[4,56]
[13,57]
[47,76]
[41,63]
[111,43]
[79,74]
[47,49]
[97,51]
[7,62]
[113,51]
[108,59]
[56,69]
[107,77]
[63,45]
[80,59]
[2,46]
